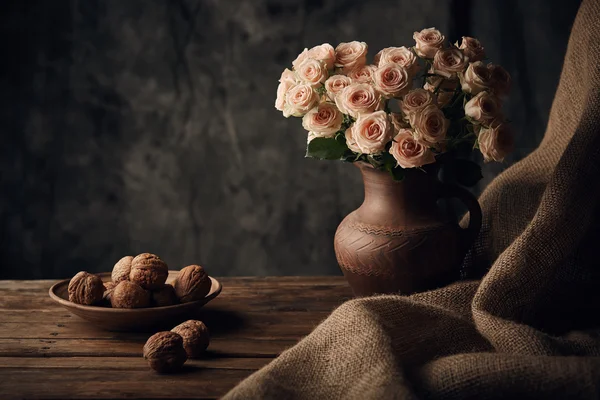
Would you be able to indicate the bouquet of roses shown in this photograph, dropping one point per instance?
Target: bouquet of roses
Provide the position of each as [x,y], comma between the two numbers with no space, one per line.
[406,109]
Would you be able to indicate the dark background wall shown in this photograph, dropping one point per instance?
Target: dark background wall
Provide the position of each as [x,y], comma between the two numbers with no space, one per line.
[148,125]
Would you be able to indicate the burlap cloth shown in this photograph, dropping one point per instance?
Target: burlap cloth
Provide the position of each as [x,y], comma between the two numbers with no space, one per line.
[526,325]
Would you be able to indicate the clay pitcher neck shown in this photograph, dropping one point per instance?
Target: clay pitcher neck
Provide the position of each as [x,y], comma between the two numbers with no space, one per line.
[410,202]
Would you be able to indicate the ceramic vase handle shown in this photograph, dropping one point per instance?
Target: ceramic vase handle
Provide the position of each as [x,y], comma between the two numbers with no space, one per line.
[459,192]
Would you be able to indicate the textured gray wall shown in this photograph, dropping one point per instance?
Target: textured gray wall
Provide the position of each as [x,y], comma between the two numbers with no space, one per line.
[132,126]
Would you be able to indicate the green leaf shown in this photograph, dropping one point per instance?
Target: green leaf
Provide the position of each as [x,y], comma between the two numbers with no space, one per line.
[389,163]
[467,172]
[350,156]
[326,149]
[374,161]
[347,120]
[397,173]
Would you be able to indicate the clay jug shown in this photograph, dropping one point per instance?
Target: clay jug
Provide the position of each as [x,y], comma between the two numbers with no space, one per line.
[398,240]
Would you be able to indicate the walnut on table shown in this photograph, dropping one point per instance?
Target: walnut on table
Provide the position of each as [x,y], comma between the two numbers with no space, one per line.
[164,352]
[85,288]
[192,284]
[165,296]
[129,295]
[148,271]
[122,269]
[195,337]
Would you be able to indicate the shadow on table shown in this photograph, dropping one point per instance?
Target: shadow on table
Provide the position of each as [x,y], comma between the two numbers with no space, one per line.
[217,320]
[221,321]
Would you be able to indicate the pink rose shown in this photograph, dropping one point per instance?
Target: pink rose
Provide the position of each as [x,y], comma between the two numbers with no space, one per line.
[429,41]
[350,142]
[301,57]
[408,152]
[500,80]
[324,53]
[282,91]
[416,100]
[496,141]
[335,84]
[289,76]
[299,100]
[446,89]
[392,80]
[288,80]
[449,62]
[312,72]
[472,49]
[372,132]
[399,55]
[362,74]
[430,125]
[358,98]
[349,56]
[476,78]
[483,108]
[325,119]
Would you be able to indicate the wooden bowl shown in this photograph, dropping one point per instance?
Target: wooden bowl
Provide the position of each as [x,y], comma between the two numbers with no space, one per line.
[137,319]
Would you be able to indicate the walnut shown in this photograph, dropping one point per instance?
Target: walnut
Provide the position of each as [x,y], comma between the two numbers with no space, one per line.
[192,284]
[109,287]
[129,295]
[86,288]
[195,337]
[149,271]
[164,352]
[165,296]
[122,269]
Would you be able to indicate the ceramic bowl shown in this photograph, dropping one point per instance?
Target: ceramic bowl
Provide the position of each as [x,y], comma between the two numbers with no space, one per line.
[137,319]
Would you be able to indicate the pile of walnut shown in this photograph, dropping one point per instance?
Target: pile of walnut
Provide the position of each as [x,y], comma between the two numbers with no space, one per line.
[167,351]
[139,282]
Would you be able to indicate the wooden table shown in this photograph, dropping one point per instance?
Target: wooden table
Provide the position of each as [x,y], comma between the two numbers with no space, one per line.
[45,352]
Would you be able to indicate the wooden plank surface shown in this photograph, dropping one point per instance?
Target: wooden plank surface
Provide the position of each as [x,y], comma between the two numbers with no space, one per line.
[125,363]
[45,352]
